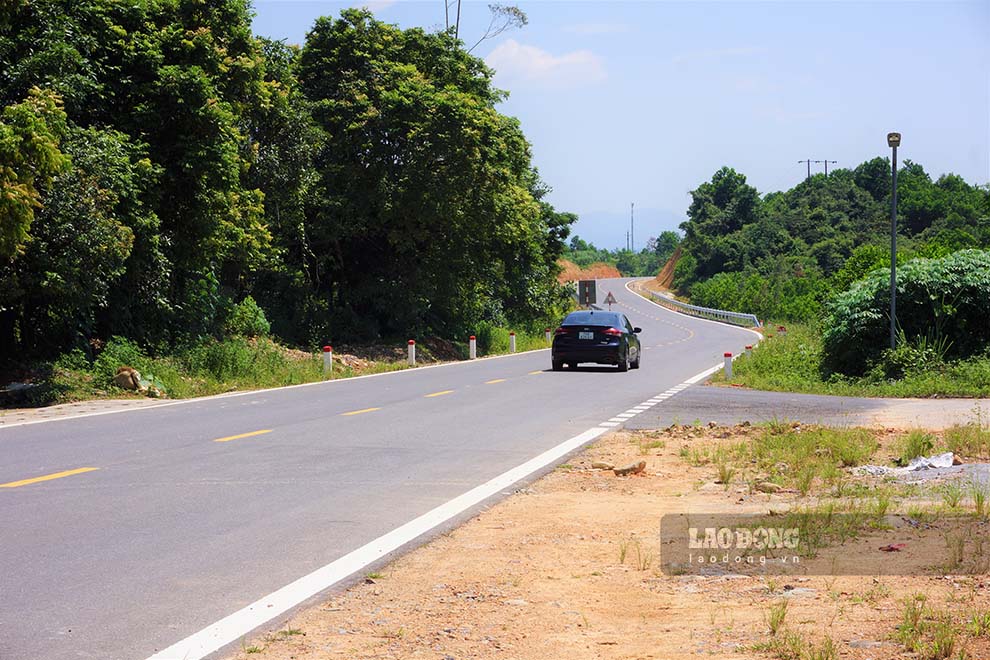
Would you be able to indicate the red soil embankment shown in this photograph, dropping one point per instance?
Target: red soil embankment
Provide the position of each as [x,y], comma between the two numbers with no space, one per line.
[665,278]
[571,272]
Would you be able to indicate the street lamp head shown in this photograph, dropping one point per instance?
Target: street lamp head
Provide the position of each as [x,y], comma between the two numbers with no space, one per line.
[893,139]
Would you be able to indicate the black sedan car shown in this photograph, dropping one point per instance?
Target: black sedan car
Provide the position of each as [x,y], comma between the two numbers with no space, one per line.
[596,336]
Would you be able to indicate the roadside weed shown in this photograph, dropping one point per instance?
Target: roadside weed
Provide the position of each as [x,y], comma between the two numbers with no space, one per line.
[952,494]
[776,615]
[916,443]
[979,624]
[980,492]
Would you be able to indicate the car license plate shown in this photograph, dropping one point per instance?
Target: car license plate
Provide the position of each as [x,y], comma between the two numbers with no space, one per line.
[586,335]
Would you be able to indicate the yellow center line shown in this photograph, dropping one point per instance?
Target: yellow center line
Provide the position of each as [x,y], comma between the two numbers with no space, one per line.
[47,477]
[492,382]
[243,435]
[438,393]
[359,412]
[533,373]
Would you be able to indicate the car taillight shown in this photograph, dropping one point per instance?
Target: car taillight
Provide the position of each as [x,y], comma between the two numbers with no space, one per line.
[612,332]
[562,331]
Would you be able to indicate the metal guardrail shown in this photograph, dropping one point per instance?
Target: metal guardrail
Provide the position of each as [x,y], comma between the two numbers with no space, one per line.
[735,318]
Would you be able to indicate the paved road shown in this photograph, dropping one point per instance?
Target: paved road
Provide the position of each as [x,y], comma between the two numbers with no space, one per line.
[174,530]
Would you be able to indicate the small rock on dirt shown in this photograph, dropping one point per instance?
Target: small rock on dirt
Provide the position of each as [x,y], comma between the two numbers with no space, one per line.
[127,378]
[602,465]
[768,487]
[632,468]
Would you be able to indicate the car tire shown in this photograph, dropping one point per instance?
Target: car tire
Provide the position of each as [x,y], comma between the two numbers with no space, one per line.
[624,363]
[558,365]
[635,364]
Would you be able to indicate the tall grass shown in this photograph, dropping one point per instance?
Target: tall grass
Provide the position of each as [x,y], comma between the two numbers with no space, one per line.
[216,366]
[792,362]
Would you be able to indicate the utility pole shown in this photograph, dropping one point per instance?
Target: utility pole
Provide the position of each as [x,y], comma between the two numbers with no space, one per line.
[627,240]
[809,162]
[826,165]
[632,226]
[893,141]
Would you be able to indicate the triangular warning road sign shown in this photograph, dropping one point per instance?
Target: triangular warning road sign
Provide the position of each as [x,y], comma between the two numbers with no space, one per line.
[610,299]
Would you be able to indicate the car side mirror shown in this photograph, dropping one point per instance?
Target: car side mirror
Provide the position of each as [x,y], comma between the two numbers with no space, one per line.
[636,331]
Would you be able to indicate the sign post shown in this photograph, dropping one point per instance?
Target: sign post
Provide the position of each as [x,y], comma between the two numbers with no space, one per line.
[610,300]
[587,290]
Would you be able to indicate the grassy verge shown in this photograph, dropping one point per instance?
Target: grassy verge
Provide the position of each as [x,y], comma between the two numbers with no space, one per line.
[814,463]
[791,362]
[236,363]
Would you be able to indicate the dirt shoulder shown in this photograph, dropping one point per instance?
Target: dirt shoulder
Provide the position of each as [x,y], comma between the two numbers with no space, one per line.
[571,568]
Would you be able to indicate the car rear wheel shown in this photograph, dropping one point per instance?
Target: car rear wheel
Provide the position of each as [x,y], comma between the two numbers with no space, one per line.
[624,363]
[558,365]
[635,364]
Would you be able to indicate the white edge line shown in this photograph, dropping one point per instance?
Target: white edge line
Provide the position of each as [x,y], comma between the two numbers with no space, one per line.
[234,626]
[231,395]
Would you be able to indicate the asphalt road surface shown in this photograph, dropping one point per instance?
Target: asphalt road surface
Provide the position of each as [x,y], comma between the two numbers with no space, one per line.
[195,510]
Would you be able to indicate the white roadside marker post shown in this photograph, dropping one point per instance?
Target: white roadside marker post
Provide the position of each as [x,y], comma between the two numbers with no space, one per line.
[727,369]
[547,333]
[473,347]
[328,360]
[412,352]
[512,342]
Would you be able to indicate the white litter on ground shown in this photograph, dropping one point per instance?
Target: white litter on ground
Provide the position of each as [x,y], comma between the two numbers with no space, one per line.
[921,463]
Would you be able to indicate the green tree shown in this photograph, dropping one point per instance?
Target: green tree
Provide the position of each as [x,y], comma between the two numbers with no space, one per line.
[427,217]
[29,157]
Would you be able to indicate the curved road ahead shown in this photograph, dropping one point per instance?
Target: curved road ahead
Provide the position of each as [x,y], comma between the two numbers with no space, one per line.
[174,530]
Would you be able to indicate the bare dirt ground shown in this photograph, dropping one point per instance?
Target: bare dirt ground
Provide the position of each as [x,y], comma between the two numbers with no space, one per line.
[570,568]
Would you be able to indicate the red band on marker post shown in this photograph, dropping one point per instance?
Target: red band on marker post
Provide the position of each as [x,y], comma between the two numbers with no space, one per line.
[749,348]
[472,337]
[412,342]
[328,349]
[727,355]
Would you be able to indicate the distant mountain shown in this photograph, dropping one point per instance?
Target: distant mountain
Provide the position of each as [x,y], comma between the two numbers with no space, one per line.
[607,229]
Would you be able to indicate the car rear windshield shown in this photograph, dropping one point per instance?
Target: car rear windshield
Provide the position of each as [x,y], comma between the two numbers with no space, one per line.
[592,317]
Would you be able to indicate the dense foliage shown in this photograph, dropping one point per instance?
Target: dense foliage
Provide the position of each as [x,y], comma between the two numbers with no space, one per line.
[942,312]
[784,254]
[166,176]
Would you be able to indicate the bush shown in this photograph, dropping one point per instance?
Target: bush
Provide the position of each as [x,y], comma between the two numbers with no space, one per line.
[785,294]
[943,300]
[247,319]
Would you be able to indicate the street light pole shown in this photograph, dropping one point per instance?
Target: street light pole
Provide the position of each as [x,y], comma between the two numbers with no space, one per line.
[894,141]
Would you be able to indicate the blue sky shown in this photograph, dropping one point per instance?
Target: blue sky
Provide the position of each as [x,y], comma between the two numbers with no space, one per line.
[642,101]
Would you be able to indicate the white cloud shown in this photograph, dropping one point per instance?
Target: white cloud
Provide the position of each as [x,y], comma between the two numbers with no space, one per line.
[518,63]
[716,54]
[597,28]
